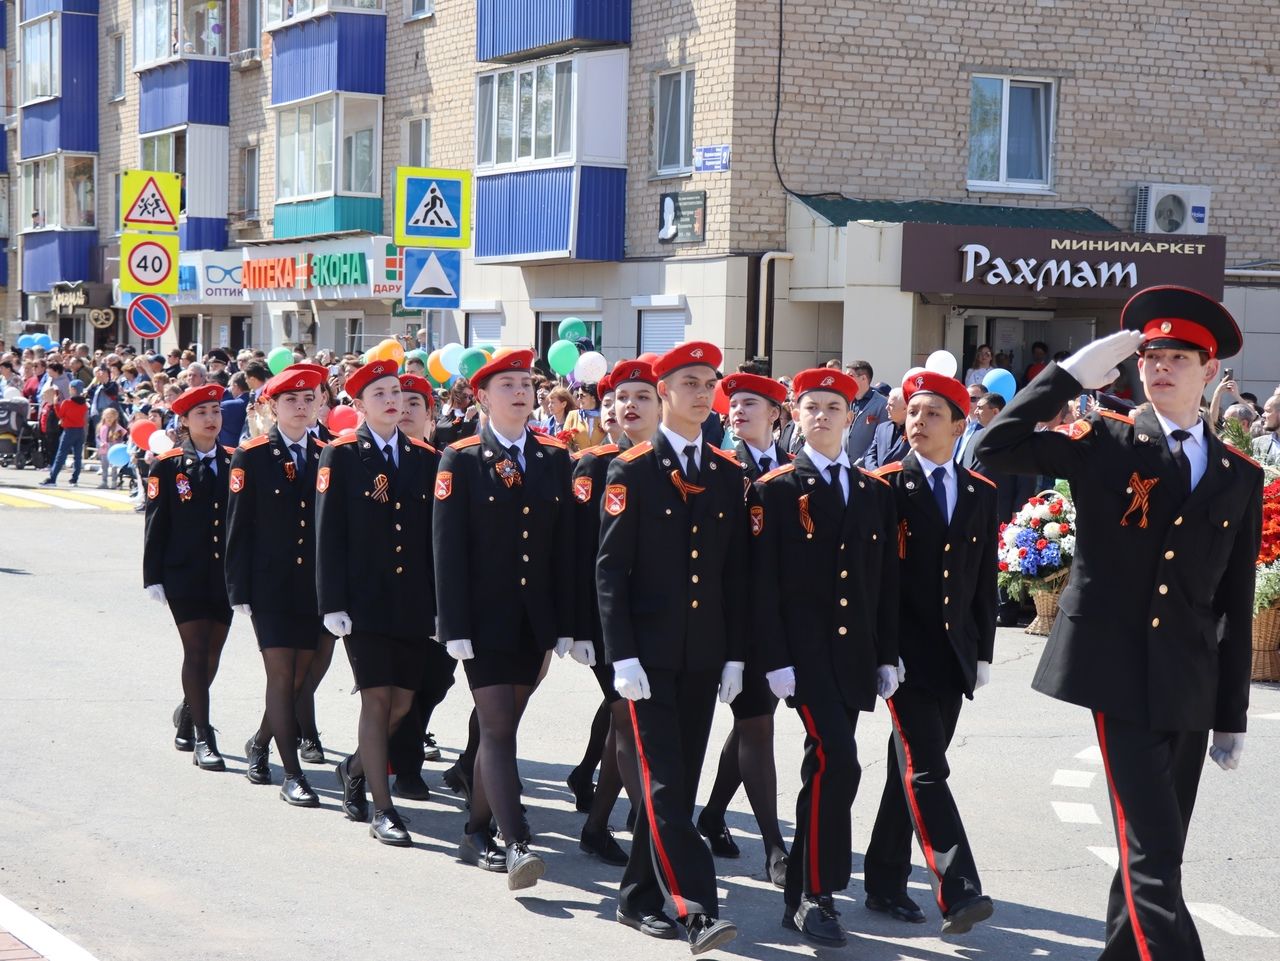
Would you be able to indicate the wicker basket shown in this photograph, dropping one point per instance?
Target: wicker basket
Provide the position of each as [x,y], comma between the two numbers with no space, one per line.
[1045,592]
[1266,645]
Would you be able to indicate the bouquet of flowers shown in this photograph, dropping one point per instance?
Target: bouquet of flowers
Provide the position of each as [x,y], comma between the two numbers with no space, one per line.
[1267,586]
[564,436]
[1036,546]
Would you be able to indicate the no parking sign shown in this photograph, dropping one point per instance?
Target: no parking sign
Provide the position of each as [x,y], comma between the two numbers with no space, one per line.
[149,316]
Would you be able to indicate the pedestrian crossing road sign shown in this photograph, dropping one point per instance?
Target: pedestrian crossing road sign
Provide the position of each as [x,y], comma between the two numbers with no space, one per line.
[150,200]
[433,207]
[432,279]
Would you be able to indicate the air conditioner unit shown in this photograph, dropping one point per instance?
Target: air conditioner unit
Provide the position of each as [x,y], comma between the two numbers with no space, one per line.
[1171,209]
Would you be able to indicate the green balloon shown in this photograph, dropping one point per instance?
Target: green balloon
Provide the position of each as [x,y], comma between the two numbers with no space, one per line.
[472,359]
[571,328]
[563,355]
[489,349]
[279,359]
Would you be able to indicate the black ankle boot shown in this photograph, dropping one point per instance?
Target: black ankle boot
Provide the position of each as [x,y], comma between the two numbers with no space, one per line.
[206,756]
[184,735]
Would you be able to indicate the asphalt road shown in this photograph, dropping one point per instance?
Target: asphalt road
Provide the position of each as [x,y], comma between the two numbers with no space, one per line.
[118,842]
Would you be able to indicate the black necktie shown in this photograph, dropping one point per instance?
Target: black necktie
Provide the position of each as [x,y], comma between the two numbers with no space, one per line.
[298,457]
[765,463]
[389,454]
[514,451]
[834,472]
[210,464]
[1180,455]
[939,484]
[691,464]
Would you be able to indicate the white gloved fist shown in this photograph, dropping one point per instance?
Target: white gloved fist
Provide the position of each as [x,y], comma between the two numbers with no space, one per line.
[630,680]
[562,645]
[886,680]
[155,592]
[338,623]
[984,675]
[731,680]
[1226,750]
[244,609]
[460,650]
[902,671]
[1095,365]
[782,682]
[584,652]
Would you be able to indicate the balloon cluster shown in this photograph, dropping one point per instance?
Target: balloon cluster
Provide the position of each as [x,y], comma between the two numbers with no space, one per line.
[997,380]
[566,357]
[29,341]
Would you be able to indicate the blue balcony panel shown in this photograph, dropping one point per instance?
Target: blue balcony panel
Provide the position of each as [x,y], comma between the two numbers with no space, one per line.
[50,256]
[602,213]
[328,215]
[343,51]
[70,121]
[4,151]
[203,233]
[528,214]
[4,270]
[184,91]
[523,29]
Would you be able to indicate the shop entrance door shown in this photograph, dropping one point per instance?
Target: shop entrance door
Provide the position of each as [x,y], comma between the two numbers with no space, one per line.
[1011,335]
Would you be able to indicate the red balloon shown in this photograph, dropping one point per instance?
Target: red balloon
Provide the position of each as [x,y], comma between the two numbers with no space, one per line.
[648,358]
[141,432]
[720,402]
[343,417]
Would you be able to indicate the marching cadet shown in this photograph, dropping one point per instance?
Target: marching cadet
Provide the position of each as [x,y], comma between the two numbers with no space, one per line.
[673,552]
[946,542]
[271,575]
[825,580]
[182,560]
[374,578]
[1154,629]
[503,531]
[755,407]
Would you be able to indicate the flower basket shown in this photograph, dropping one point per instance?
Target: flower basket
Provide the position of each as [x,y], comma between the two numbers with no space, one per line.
[1266,644]
[1034,554]
[1045,592]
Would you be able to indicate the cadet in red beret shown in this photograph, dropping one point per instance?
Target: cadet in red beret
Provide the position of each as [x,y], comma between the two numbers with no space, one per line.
[183,563]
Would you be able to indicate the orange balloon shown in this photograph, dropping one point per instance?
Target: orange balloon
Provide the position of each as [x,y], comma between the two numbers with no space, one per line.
[435,368]
[389,350]
[502,352]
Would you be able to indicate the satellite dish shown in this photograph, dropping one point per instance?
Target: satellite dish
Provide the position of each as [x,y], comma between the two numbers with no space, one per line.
[1171,213]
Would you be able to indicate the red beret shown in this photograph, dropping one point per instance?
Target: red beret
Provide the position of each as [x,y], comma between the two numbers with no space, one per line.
[517,360]
[696,353]
[604,385]
[362,377]
[319,369]
[290,379]
[766,387]
[931,382]
[626,371]
[413,384]
[1171,316]
[197,395]
[824,378]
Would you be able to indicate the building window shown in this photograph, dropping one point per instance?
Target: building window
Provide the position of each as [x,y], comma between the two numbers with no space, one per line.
[59,191]
[674,120]
[204,28]
[352,334]
[41,59]
[417,142]
[4,207]
[251,22]
[360,139]
[549,328]
[152,35]
[282,11]
[413,9]
[118,66]
[117,188]
[308,137]
[1010,132]
[525,115]
[249,192]
[167,152]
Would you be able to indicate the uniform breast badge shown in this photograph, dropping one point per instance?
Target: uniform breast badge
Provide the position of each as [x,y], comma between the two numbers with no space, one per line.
[290,469]
[757,520]
[237,480]
[615,499]
[582,489]
[380,485]
[184,487]
[508,472]
[684,487]
[1141,491]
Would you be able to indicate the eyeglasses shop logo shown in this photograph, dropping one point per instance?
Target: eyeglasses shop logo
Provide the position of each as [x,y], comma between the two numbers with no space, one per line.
[222,281]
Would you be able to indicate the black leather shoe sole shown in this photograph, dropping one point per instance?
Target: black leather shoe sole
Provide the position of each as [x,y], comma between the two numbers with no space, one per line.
[183,744]
[963,917]
[653,925]
[605,848]
[311,752]
[717,934]
[909,913]
[525,871]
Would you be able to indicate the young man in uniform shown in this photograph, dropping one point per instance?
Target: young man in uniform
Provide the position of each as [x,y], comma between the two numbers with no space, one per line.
[946,543]
[1154,630]
[825,583]
[673,559]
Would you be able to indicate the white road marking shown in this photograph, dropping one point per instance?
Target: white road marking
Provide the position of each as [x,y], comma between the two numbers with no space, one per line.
[1227,920]
[1274,716]
[1075,812]
[1067,778]
[42,498]
[38,936]
[1090,755]
[1108,856]
[1053,937]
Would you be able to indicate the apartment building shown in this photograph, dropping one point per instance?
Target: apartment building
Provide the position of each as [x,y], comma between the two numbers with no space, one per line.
[795,180]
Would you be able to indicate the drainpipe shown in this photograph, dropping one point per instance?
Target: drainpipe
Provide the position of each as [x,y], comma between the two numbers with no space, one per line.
[1244,273]
[765,306]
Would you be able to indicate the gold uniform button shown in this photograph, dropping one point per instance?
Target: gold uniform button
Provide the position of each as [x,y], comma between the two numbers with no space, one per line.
[299,560]
[302,523]
[524,534]
[946,574]
[1226,523]
[843,631]
[302,503]
[216,505]
[946,547]
[693,554]
[523,582]
[1168,555]
[301,540]
[1177,522]
[695,526]
[694,604]
[399,570]
[525,558]
[216,522]
[215,555]
[946,600]
[397,527]
[399,548]
[1164,588]
[841,547]
[397,505]
[215,538]
[946,626]
[526,510]
[695,578]
[1155,622]
[844,602]
[875,537]
[668,511]
[843,575]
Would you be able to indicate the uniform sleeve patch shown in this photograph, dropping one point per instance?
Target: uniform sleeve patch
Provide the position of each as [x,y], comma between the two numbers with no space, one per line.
[153,488]
[322,480]
[1075,430]
[582,489]
[615,499]
[757,520]
[237,480]
[444,484]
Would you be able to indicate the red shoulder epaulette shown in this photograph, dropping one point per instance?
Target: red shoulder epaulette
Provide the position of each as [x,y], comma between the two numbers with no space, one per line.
[229,450]
[349,439]
[176,452]
[548,441]
[1114,416]
[253,442]
[1242,455]
[874,476]
[638,451]
[985,480]
[728,455]
[322,444]
[893,468]
[423,444]
[776,472]
[466,442]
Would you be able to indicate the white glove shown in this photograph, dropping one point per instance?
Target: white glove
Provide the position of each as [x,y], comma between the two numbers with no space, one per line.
[630,680]
[244,609]
[782,682]
[460,650]
[562,645]
[731,680]
[1095,365]
[984,675]
[338,623]
[1226,750]
[886,680]
[584,652]
[902,671]
[155,592]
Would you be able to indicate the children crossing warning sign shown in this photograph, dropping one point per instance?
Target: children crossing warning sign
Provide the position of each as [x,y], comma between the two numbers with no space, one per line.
[151,200]
[433,207]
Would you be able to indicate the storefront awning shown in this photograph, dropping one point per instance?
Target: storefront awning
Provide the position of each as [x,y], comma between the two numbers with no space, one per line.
[840,210]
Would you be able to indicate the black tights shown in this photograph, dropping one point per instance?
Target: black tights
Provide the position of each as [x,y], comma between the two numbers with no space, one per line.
[305,702]
[381,710]
[286,673]
[201,650]
[600,730]
[747,759]
[495,786]
[618,768]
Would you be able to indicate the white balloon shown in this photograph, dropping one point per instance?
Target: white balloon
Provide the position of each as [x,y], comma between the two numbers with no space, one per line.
[590,367]
[912,372]
[942,362]
[159,443]
[12,393]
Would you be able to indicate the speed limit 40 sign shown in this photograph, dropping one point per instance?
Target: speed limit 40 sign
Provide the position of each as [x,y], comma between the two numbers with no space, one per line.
[149,263]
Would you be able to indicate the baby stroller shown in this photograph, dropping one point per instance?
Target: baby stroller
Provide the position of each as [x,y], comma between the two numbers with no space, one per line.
[17,436]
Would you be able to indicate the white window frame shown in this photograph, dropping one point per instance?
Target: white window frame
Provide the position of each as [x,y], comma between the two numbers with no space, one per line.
[250,173]
[688,103]
[117,191]
[563,130]
[161,42]
[219,39]
[172,133]
[423,138]
[340,153]
[418,9]
[1003,183]
[251,23]
[119,66]
[279,13]
[54,22]
[54,219]
[5,191]
[340,102]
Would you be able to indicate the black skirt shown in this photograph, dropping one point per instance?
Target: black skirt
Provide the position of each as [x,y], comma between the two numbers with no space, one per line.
[277,629]
[755,699]
[186,609]
[379,660]
[520,668]
[604,677]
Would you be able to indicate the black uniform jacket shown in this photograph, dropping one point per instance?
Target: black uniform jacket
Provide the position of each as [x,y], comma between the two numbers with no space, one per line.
[749,463]
[825,580]
[590,469]
[271,530]
[673,563]
[373,535]
[504,543]
[1155,624]
[947,604]
[453,427]
[184,544]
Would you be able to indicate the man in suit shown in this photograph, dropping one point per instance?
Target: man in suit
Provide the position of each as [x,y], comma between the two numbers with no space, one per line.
[868,411]
[673,557]
[889,444]
[1154,630]
[947,625]
[972,424]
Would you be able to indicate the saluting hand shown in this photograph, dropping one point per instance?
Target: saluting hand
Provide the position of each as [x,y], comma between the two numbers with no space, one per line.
[1226,749]
[630,680]
[1095,365]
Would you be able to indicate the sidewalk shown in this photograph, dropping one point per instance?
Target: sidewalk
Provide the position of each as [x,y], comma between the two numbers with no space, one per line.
[24,937]
[11,949]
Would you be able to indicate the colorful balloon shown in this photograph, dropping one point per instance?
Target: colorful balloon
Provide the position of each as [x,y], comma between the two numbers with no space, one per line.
[26,342]
[563,356]
[435,368]
[279,359]
[141,432]
[942,362]
[343,417]
[159,443]
[1000,381]
[118,455]
[450,354]
[572,328]
[472,359]
[590,367]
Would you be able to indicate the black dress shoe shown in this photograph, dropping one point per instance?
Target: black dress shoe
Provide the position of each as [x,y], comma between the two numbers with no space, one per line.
[963,916]
[354,803]
[255,754]
[411,787]
[603,846]
[311,750]
[389,829]
[656,925]
[296,791]
[707,933]
[206,756]
[583,788]
[899,906]
[458,783]
[523,866]
[717,834]
[481,850]
[184,735]
[777,868]
[817,920]
[430,750]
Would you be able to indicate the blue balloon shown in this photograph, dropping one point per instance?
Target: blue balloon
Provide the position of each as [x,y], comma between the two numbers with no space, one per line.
[27,341]
[1000,381]
[118,455]
[47,342]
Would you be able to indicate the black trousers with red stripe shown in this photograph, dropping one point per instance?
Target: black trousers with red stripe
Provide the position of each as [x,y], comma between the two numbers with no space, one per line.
[916,797]
[822,852]
[670,867]
[1152,779]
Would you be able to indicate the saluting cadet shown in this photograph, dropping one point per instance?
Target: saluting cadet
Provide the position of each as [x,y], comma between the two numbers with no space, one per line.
[825,580]
[946,542]
[271,575]
[672,561]
[182,559]
[755,406]
[503,524]
[1154,627]
[374,578]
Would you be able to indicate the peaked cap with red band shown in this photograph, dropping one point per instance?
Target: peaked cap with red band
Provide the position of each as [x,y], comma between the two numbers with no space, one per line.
[322,371]
[413,384]
[696,353]
[291,379]
[766,387]
[196,396]
[627,371]
[1179,317]
[362,377]
[824,378]
[931,382]
[520,361]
